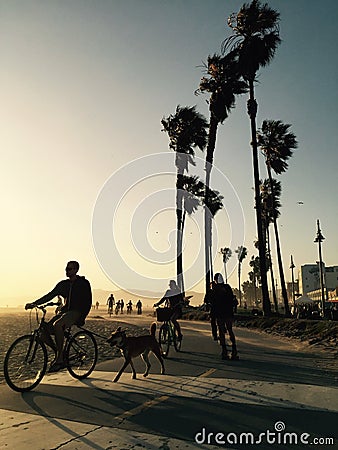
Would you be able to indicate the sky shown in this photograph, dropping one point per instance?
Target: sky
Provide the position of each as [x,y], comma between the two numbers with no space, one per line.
[86,172]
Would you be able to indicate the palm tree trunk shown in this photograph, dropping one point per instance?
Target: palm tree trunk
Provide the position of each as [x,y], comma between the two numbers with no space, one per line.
[252,111]
[239,284]
[274,296]
[207,216]
[278,249]
[225,272]
[179,209]
[210,256]
[182,235]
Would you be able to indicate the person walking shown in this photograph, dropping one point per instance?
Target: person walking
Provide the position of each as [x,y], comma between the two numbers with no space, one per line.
[223,303]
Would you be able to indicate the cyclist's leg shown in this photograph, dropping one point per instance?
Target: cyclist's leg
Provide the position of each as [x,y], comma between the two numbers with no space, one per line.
[46,332]
[66,320]
[177,313]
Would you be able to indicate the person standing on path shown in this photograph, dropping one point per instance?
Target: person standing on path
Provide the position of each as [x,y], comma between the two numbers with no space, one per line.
[223,303]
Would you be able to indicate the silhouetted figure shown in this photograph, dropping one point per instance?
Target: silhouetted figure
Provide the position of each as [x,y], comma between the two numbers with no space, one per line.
[117,307]
[129,307]
[76,291]
[174,297]
[121,305]
[139,307]
[223,303]
[110,303]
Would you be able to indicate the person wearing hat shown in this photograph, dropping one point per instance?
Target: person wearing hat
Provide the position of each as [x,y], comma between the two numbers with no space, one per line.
[223,303]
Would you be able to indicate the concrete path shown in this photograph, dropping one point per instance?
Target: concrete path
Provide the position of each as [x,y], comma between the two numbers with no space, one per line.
[201,402]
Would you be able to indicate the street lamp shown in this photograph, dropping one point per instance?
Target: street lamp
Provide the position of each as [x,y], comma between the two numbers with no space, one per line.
[319,239]
[292,266]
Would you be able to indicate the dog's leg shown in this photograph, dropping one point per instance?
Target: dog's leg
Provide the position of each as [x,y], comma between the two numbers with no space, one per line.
[133,369]
[157,352]
[145,357]
[122,370]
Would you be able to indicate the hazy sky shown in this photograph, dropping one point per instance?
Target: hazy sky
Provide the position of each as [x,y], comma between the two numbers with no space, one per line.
[83,88]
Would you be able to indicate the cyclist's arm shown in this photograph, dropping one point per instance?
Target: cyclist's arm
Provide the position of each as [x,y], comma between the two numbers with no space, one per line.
[160,302]
[46,298]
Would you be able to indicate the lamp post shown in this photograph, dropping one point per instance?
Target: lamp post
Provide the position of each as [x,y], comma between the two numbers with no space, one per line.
[319,239]
[292,266]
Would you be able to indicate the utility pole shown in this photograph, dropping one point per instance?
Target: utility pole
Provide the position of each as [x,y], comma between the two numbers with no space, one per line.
[292,266]
[318,240]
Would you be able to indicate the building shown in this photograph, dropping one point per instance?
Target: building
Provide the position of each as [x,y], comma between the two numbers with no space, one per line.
[309,278]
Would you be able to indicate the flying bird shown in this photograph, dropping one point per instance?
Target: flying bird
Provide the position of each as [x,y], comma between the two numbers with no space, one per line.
[300,203]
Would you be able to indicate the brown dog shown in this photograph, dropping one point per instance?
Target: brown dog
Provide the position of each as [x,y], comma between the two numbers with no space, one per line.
[136,346]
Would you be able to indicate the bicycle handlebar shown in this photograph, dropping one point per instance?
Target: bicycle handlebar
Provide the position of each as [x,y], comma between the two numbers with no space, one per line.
[42,307]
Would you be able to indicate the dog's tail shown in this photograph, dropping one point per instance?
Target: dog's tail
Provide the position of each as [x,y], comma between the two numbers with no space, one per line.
[153,329]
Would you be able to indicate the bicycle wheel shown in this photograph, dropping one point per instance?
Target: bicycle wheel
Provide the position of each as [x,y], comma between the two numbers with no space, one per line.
[164,339]
[177,342]
[81,354]
[25,363]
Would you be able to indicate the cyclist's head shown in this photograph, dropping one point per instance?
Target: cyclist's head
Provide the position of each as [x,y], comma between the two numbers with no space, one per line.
[72,268]
[219,278]
[172,284]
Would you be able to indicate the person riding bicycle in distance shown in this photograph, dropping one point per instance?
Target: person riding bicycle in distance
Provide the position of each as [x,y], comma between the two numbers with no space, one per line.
[175,299]
[76,291]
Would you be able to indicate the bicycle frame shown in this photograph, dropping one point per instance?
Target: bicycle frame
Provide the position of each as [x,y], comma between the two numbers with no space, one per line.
[26,359]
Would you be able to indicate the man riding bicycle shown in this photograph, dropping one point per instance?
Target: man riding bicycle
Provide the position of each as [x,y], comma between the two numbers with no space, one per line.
[78,301]
[175,299]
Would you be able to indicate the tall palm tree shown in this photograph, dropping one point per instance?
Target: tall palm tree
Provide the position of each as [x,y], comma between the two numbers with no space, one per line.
[241,255]
[223,83]
[226,253]
[270,209]
[277,143]
[186,129]
[256,37]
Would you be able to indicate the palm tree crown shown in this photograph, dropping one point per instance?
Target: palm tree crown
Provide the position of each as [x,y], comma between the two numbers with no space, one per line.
[277,143]
[256,35]
[223,83]
[186,130]
[270,200]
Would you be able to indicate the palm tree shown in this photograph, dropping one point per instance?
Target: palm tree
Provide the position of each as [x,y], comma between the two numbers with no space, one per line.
[186,129]
[270,208]
[255,274]
[256,37]
[226,252]
[241,255]
[277,143]
[223,84]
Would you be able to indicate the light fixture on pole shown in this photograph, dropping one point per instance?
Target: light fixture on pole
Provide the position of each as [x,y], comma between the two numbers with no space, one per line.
[292,266]
[319,239]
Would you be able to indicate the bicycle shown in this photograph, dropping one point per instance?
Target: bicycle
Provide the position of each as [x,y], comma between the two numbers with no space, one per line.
[168,334]
[26,359]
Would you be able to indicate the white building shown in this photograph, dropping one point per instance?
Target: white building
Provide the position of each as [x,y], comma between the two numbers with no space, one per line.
[309,278]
